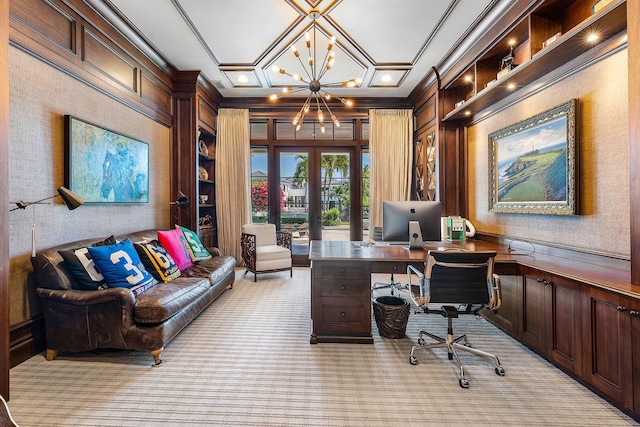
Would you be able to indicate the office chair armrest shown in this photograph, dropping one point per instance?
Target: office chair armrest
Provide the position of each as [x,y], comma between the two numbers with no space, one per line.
[423,297]
[495,298]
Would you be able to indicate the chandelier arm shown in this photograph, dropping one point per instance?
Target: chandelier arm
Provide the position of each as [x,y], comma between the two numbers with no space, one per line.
[324,68]
[304,69]
[334,84]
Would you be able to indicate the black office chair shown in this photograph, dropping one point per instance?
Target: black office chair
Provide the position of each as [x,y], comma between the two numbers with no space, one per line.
[466,282]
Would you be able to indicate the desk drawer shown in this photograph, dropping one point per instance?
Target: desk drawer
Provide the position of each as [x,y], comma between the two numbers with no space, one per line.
[341,315]
[399,267]
[341,287]
[339,270]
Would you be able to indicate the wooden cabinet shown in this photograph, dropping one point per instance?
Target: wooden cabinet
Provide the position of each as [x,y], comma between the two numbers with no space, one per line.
[552,34]
[424,161]
[341,302]
[207,186]
[506,317]
[611,336]
[194,158]
[551,318]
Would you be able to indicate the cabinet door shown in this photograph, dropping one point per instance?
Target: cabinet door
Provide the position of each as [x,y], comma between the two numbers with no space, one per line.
[506,317]
[534,326]
[634,315]
[607,335]
[564,326]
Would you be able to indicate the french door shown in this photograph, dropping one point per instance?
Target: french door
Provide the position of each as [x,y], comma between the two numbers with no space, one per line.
[320,193]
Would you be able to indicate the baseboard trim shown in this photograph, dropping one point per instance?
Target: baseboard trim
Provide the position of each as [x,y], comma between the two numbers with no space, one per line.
[26,339]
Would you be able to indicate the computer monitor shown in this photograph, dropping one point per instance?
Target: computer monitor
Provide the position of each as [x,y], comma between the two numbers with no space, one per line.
[397,215]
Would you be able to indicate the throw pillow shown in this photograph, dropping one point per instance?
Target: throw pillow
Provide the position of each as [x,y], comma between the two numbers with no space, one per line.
[174,242]
[120,265]
[82,268]
[157,261]
[197,251]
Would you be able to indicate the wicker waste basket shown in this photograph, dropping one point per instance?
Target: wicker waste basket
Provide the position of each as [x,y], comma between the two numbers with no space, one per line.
[391,314]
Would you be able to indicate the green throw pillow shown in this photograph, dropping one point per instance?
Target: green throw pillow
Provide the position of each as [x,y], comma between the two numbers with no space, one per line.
[197,251]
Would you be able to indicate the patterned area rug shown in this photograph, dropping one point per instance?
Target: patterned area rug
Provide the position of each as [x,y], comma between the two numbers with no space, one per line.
[247,361]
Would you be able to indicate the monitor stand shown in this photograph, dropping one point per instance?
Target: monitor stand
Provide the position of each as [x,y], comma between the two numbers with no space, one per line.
[415,235]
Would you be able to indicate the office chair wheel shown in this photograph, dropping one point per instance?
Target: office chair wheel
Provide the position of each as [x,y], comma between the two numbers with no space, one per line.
[414,361]
[464,383]
[500,371]
[421,341]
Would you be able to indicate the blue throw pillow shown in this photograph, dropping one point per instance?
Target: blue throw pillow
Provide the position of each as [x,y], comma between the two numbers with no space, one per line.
[120,265]
[82,268]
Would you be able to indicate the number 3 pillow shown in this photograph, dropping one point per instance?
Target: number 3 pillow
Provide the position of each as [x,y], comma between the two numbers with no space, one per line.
[120,265]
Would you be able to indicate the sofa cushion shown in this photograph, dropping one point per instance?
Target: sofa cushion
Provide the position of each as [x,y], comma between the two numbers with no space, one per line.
[82,268]
[197,251]
[215,269]
[174,242]
[157,261]
[120,265]
[159,303]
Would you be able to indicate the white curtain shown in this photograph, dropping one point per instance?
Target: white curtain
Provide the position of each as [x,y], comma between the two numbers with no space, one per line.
[233,169]
[391,158]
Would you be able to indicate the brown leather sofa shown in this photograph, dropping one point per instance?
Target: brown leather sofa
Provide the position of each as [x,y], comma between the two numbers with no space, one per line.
[113,318]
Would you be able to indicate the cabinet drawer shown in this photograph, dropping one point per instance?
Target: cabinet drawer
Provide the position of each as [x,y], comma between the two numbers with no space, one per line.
[341,315]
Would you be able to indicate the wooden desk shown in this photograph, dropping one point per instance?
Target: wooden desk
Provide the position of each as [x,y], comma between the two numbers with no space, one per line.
[341,285]
[341,278]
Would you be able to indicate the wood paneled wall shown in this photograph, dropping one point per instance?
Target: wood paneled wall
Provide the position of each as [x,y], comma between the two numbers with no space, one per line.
[4,201]
[74,38]
[633,32]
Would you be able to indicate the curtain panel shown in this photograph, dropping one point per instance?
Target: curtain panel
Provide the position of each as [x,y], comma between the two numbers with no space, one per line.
[233,169]
[391,159]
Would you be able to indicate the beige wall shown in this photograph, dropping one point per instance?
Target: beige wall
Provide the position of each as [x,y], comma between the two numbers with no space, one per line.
[602,124]
[40,96]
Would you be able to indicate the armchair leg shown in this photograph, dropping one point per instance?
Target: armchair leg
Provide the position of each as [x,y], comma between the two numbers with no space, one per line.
[51,354]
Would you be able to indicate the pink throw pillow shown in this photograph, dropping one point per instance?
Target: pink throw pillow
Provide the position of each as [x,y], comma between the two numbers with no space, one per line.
[174,243]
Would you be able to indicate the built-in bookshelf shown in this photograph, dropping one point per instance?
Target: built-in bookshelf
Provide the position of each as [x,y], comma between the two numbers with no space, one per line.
[552,34]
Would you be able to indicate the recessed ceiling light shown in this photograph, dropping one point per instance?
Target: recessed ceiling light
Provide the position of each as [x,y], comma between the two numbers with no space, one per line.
[386,78]
[468,78]
[511,86]
[593,37]
[242,78]
[467,113]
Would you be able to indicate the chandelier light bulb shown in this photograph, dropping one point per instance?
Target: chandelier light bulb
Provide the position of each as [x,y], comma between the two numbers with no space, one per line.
[311,82]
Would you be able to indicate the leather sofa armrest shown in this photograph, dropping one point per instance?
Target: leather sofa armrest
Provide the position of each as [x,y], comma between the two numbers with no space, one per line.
[78,298]
[214,251]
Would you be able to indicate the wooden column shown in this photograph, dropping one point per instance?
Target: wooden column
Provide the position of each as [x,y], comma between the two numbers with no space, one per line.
[633,31]
[4,200]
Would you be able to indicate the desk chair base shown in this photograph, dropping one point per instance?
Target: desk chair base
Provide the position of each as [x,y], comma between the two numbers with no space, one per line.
[452,344]
[395,287]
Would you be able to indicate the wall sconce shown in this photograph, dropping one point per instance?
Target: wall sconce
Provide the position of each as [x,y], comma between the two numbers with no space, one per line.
[182,200]
[70,199]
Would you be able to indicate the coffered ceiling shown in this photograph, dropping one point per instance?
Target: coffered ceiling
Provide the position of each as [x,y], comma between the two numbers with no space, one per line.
[388,45]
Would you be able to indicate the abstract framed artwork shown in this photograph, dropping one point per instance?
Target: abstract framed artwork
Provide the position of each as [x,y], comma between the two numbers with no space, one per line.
[103,166]
[532,164]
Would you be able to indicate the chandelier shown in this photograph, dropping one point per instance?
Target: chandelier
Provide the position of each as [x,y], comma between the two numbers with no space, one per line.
[318,95]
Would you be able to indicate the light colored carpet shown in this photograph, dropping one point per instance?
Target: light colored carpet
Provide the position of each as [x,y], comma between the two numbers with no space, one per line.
[247,361]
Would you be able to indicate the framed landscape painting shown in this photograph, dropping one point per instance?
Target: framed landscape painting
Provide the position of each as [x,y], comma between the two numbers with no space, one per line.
[532,164]
[103,166]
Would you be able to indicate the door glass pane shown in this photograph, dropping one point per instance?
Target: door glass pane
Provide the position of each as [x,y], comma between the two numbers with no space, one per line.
[366,231]
[335,195]
[259,185]
[294,184]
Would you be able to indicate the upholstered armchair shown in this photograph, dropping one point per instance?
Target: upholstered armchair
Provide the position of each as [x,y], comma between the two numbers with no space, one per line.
[265,250]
